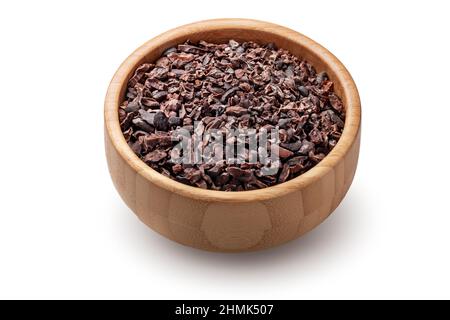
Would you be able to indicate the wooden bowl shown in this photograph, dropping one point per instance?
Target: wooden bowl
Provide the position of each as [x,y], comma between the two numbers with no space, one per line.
[234,221]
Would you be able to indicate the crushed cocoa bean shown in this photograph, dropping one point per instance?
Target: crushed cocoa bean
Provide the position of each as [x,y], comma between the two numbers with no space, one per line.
[196,96]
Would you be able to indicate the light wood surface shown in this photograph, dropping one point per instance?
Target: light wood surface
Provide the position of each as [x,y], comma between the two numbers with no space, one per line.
[234,221]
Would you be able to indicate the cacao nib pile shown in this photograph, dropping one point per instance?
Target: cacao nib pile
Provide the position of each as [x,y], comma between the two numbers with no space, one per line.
[231,86]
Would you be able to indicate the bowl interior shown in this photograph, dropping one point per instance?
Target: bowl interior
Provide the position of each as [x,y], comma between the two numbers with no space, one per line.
[220,31]
[301,49]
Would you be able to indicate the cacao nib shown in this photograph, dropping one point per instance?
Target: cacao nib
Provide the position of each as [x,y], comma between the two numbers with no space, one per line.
[231,116]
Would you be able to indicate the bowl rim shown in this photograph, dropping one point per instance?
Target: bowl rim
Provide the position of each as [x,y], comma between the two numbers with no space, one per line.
[348,137]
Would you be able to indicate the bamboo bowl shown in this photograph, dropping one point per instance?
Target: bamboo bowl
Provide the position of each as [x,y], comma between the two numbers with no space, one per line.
[234,221]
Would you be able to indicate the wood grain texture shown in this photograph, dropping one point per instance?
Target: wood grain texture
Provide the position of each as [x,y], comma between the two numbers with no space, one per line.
[234,221]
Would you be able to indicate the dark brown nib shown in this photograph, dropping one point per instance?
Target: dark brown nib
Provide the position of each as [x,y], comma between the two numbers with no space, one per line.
[196,88]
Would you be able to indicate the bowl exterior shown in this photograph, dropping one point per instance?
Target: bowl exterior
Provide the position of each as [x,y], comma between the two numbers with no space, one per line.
[231,227]
[245,223]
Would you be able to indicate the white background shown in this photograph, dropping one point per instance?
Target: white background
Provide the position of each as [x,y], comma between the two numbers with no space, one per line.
[65,233]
